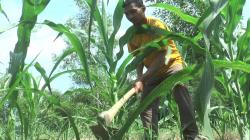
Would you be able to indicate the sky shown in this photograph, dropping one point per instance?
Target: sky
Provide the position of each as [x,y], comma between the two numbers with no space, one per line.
[42,40]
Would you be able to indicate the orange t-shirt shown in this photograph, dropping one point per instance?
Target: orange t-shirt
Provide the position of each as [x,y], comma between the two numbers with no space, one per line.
[139,39]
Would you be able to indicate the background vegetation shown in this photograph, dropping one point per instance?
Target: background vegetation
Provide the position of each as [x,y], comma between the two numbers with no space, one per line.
[209,35]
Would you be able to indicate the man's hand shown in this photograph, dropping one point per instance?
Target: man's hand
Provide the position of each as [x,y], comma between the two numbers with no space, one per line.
[138,85]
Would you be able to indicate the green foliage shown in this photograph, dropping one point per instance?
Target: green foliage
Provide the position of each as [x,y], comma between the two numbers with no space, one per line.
[219,72]
[182,76]
[2,12]
[76,44]
[182,15]
[204,91]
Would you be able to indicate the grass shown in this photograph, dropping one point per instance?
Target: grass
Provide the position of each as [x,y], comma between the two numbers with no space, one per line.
[166,134]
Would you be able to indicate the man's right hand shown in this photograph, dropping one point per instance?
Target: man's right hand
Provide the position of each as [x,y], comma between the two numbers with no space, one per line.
[138,85]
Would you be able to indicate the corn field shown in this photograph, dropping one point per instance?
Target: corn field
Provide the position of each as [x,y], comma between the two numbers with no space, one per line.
[218,74]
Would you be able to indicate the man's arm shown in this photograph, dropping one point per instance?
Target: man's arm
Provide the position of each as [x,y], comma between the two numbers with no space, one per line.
[155,66]
[157,63]
[139,70]
[138,85]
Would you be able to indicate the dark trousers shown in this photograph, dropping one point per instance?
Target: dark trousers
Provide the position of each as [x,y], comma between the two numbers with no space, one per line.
[149,116]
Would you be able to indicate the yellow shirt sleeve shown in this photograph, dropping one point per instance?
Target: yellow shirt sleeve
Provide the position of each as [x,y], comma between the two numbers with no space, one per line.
[161,25]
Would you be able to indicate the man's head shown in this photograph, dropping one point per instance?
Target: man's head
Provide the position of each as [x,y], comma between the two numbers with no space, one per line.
[134,11]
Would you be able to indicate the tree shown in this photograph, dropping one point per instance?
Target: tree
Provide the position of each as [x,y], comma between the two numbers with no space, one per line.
[194,8]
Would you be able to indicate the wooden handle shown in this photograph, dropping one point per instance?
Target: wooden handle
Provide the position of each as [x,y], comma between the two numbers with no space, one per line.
[107,116]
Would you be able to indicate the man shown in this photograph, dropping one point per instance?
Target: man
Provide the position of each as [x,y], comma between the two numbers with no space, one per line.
[157,71]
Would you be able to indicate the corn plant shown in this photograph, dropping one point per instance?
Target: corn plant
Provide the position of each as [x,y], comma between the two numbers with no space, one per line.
[3,12]
[224,71]
[23,93]
[27,23]
[108,42]
[228,57]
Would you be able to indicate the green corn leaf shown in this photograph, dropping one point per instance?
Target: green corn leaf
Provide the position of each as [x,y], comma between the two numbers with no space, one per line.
[93,8]
[98,18]
[31,63]
[210,21]
[60,74]
[65,72]
[182,76]
[216,39]
[28,96]
[65,54]
[109,48]
[72,122]
[198,37]
[153,45]
[26,81]
[204,16]
[214,108]
[139,58]
[104,18]
[107,51]
[245,85]
[220,85]
[16,76]
[234,15]
[144,51]
[243,44]
[207,127]
[8,28]
[42,71]
[117,18]
[124,40]
[51,98]
[76,44]
[104,66]
[177,11]
[59,34]
[123,66]
[212,35]
[236,65]
[78,90]
[216,7]
[203,93]
[154,30]
[175,36]
[2,12]
[11,92]
[20,114]
[34,83]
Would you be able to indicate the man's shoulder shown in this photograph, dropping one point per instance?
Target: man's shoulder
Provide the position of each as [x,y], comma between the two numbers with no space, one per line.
[155,22]
[153,18]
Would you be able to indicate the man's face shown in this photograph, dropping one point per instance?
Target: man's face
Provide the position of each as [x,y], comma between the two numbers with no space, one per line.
[135,13]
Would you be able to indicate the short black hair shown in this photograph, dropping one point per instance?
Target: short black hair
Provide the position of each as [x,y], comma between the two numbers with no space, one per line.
[137,2]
